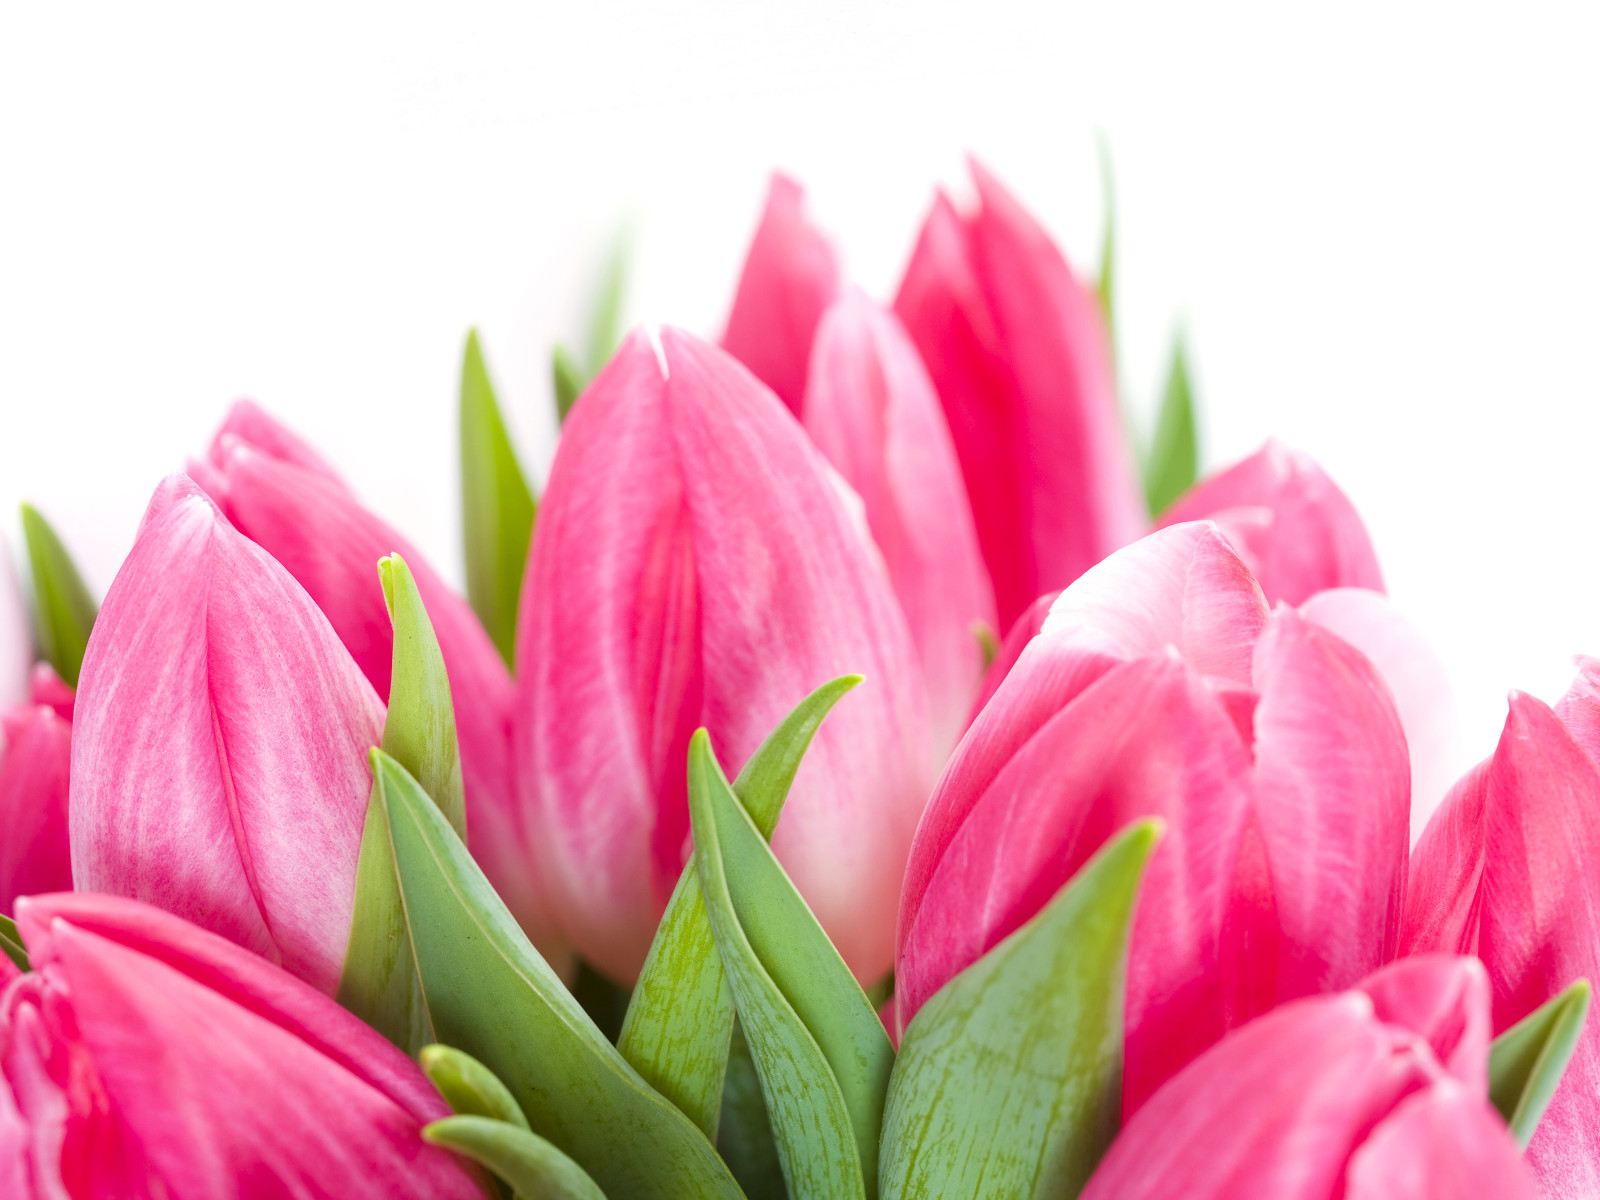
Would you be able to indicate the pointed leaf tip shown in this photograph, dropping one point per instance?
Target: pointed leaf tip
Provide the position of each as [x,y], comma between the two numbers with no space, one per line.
[1526,1062]
[64,612]
[1173,463]
[469,1087]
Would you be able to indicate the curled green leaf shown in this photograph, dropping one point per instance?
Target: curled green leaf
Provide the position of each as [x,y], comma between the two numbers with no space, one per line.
[1526,1062]
[469,1087]
[531,1165]
[63,609]
[1009,1079]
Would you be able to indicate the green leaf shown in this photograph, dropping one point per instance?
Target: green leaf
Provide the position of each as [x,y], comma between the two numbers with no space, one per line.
[744,1136]
[497,506]
[469,1087]
[823,1072]
[490,994]
[678,1023]
[63,610]
[1174,461]
[569,379]
[531,1165]
[378,982]
[1009,1079]
[604,329]
[1105,286]
[11,944]
[1526,1062]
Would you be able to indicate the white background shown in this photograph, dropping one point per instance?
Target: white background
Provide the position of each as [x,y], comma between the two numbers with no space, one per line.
[1378,227]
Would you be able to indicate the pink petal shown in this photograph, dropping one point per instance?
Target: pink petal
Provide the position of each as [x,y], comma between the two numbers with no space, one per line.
[308,520]
[254,426]
[1181,587]
[1444,1143]
[47,688]
[33,803]
[1445,999]
[1331,796]
[1273,1110]
[16,636]
[219,750]
[1416,679]
[871,409]
[1148,738]
[1020,634]
[694,565]
[790,276]
[1579,709]
[1290,522]
[1443,894]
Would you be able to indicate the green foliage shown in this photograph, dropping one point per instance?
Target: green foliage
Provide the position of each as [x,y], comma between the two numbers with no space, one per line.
[531,1165]
[1009,1079]
[63,610]
[1173,463]
[469,1087]
[1526,1062]
[569,373]
[11,944]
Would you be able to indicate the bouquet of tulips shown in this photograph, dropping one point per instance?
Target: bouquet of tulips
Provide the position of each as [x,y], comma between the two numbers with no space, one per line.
[717,844]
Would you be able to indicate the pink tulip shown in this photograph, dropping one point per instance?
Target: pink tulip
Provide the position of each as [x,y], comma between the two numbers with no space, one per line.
[1380,1093]
[1509,870]
[873,413]
[143,1058]
[16,638]
[791,275]
[277,492]
[1018,351]
[219,747]
[1161,685]
[35,753]
[1290,523]
[695,564]
[1022,632]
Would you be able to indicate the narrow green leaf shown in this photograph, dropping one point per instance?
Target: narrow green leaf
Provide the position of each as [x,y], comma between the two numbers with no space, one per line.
[531,1165]
[1009,1080]
[1174,460]
[1106,285]
[469,1087]
[378,982]
[605,318]
[1526,1062]
[490,994]
[569,379]
[744,1137]
[812,1123]
[678,1022]
[11,944]
[63,610]
[497,506]
[988,641]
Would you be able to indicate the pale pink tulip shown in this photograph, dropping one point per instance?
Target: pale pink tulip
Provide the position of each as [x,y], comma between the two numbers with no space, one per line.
[280,494]
[1364,1095]
[791,275]
[16,637]
[1293,526]
[1509,870]
[145,1059]
[1161,685]
[35,754]
[1018,351]
[694,565]
[871,410]
[219,747]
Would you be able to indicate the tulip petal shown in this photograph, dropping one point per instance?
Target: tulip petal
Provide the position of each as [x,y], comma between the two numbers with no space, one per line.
[1444,1143]
[16,638]
[1019,635]
[35,756]
[871,409]
[252,425]
[1444,892]
[219,742]
[791,275]
[1445,999]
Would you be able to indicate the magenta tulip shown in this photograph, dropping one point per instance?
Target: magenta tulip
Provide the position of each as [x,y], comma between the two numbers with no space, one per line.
[872,411]
[1379,1093]
[279,493]
[791,276]
[1161,685]
[1291,524]
[144,1059]
[1018,351]
[35,756]
[1509,870]
[696,563]
[219,745]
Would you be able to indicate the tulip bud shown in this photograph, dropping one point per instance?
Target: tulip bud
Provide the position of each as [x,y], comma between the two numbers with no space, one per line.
[219,750]
[282,496]
[35,753]
[143,1057]
[1342,1095]
[1017,348]
[1509,870]
[1160,685]
[791,275]
[695,564]
[872,411]
[1290,523]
